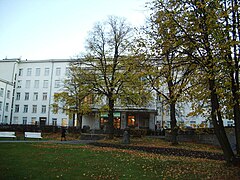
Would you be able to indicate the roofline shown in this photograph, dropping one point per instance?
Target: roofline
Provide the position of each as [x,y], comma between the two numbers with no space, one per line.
[20,61]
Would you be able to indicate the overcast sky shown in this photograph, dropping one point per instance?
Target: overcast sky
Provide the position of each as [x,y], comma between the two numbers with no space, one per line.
[57,29]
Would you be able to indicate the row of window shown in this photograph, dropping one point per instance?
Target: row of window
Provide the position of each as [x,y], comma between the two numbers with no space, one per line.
[6,106]
[2,91]
[35,96]
[57,84]
[38,71]
[34,109]
[34,121]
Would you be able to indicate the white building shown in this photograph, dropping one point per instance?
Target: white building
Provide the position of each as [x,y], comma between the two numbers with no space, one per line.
[26,94]
[27,89]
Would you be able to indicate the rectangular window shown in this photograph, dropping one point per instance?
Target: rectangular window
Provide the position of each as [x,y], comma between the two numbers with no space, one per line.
[1,92]
[46,72]
[54,121]
[5,119]
[18,96]
[35,96]
[24,120]
[44,97]
[0,105]
[29,71]
[44,108]
[20,72]
[37,71]
[15,120]
[34,120]
[8,94]
[45,84]
[25,108]
[19,84]
[36,84]
[34,109]
[28,82]
[7,107]
[26,96]
[57,84]
[58,71]
[16,108]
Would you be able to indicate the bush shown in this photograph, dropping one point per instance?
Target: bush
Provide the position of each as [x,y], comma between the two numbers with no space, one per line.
[138,132]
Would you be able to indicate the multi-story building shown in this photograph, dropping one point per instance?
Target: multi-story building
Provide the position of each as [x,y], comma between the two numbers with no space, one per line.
[27,89]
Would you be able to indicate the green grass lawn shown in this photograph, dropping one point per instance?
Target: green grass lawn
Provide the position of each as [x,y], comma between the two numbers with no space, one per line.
[62,161]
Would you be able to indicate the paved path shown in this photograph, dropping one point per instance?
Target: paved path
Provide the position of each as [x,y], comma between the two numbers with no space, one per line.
[49,141]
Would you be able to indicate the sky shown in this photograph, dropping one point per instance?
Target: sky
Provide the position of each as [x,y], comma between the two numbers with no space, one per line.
[57,29]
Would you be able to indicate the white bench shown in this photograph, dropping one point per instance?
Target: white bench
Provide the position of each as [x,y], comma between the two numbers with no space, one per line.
[7,134]
[36,135]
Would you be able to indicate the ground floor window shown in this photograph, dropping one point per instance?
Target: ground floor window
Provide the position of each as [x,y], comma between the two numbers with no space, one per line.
[131,121]
[64,122]
[24,120]
[54,121]
[34,120]
[116,120]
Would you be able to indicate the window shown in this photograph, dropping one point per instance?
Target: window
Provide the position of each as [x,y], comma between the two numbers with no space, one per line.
[54,121]
[7,107]
[1,92]
[34,120]
[24,120]
[15,120]
[28,82]
[35,96]
[44,97]
[5,119]
[26,96]
[36,84]
[34,109]
[19,84]
[44,108]
[8,94]
[58,71]
[57,84]
[45,84]
[18,96]
[25,108]
[37,72]
[29,71]
[20,72]
[0,105]
[17,108]
[46,72]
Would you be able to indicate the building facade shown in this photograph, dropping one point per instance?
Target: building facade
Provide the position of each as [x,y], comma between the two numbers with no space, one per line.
[27,89]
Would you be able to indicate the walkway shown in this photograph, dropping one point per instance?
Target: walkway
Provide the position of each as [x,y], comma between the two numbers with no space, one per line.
[49,141]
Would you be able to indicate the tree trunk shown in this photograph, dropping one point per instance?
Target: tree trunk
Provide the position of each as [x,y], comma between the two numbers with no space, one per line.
[218,125]
[110,118]
[174,127]
[79,118]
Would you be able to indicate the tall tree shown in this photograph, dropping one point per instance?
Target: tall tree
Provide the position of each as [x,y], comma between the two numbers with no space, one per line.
[231,51]
[111,67]
[204,41]
[165,65]
[73,99]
